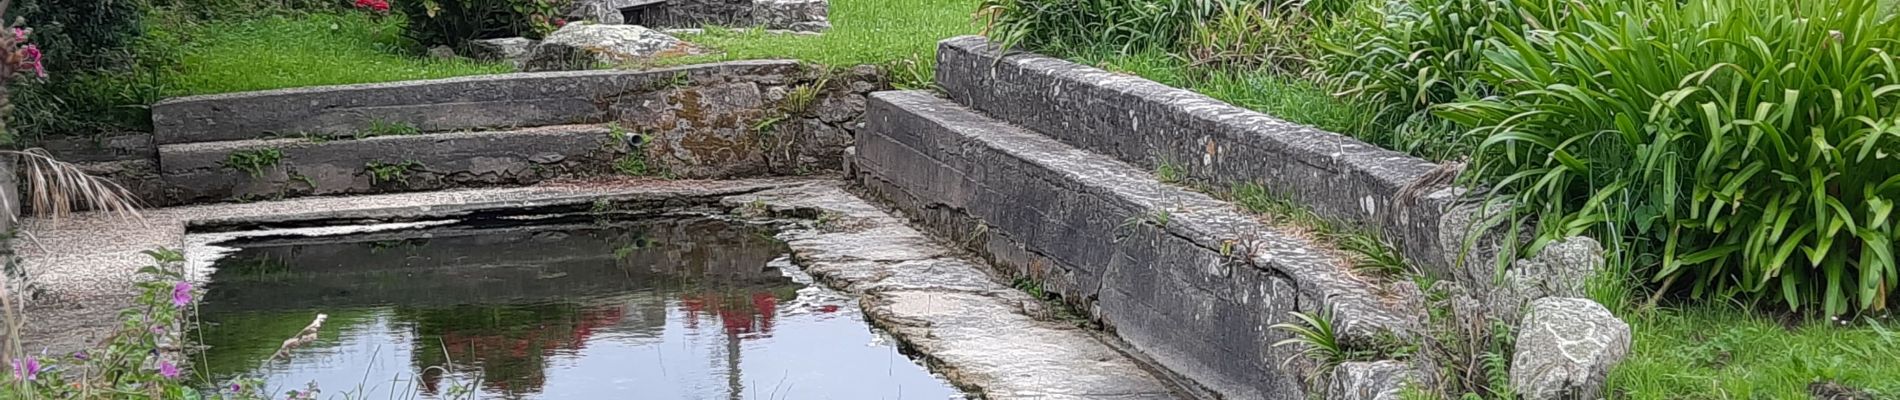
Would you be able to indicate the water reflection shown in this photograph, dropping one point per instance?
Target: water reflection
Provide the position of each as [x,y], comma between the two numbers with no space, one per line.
[662,309]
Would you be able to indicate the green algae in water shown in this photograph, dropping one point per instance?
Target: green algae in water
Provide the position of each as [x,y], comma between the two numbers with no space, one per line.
[663,308]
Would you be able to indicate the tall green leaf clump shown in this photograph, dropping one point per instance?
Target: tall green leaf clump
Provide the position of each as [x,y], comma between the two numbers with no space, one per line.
[1219,29]
[1408,56]
[1745,147]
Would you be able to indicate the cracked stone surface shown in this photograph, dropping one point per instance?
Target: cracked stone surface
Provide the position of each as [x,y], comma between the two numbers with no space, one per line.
[1565,349]
[970,327]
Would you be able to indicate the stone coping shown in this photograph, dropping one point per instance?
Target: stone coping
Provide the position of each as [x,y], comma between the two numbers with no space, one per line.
[1149,124]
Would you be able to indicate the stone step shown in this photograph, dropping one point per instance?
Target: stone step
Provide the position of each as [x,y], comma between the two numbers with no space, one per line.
[475,102]
[1147,123]
[1190,281]
[244,170]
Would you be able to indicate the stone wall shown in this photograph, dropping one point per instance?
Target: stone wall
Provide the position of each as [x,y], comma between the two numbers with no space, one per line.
[129,159]
[722,120]
[1148,124]
[794,15]
[1185,279]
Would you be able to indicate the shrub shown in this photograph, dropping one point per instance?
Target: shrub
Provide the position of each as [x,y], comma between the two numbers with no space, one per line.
[1747,146]
[455,22]
[94,82]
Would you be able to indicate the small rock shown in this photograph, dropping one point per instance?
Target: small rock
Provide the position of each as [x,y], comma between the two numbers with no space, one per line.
[1560,270]
[582,45]
[796,15]
[442,53]
[513,50]
[1835,391]
[1377,380]
[1565,349]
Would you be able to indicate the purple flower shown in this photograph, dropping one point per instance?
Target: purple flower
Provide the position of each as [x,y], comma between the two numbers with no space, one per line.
[81,355]
[236,388]
[26,369]
[181,293]
[167,370]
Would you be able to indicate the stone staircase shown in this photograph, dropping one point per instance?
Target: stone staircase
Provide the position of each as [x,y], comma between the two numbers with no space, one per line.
[1051,182]
[721,120]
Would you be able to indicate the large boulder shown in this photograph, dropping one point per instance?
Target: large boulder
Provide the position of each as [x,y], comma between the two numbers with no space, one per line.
[1565,349]
[582,45]
[513,50]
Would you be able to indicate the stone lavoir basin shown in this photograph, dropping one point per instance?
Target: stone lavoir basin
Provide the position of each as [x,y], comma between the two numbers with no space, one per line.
[575,307]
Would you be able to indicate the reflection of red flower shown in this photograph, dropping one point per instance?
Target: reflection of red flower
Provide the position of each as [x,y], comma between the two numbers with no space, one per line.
[828,308]
[735,316]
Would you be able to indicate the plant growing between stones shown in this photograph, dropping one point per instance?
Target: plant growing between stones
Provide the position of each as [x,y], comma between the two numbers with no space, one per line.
[1316,339]
[380,172]
[253,162]
[1170,172]
[380,127]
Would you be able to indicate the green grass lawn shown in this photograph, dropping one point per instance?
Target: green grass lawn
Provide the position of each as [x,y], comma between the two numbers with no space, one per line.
[899,34]
[306,50]
[1711,352]
[329,49]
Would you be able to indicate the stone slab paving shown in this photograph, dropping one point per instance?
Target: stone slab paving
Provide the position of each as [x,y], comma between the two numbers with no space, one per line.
[969,326]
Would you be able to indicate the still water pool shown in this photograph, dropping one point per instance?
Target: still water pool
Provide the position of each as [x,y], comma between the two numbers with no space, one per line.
[565,308]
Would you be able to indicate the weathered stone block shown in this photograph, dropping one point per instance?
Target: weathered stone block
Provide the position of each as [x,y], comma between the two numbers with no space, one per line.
[1377,380]
[1148,124]
[1565,349]
[205,172]
[583,45]
[1184,278]
[475,102]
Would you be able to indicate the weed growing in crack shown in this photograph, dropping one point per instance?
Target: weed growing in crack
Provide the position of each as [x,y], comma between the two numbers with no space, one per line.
[1031,286]
[1367,252]
[379,127]
[380,172]
[1170,172]
[253,162]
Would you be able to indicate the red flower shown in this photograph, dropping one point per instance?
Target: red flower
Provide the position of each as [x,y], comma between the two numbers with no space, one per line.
[560,22]
[373,5]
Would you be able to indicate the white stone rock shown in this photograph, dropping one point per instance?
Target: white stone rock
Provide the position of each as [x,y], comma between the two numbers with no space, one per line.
[582,45]
[1566,348]
[514,49]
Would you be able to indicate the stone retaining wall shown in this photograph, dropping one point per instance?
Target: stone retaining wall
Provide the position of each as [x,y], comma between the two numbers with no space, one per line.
[474,102]
[721,120]
[212,171]
[1185,279]
[1148,124]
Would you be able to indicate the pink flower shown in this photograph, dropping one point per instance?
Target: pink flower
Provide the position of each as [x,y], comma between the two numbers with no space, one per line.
[19,34]
[26,369]
[167,370]
[560,22]
[31,55]
[181,293]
